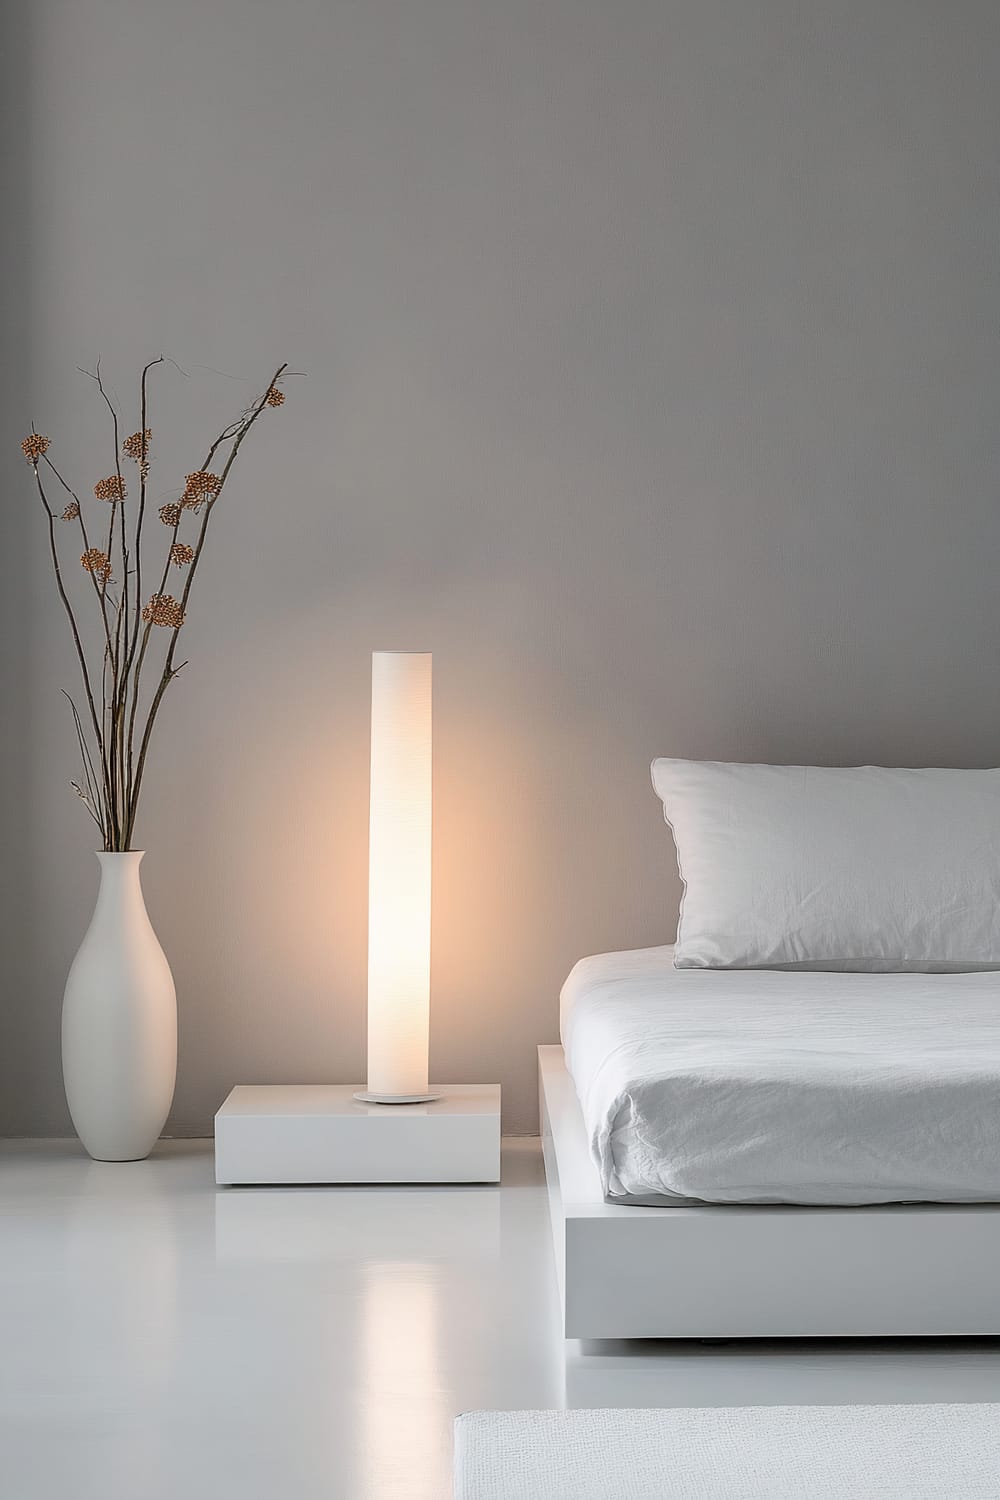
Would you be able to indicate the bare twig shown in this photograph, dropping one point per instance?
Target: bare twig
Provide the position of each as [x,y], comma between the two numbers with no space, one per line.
[238,435]
[100,589]
[88,768]
[224,436]
[143,467]
[116,751]
[71,617]
[112,774]
[85,799]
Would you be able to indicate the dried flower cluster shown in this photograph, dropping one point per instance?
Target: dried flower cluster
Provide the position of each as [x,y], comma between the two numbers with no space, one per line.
[198,487]
[112,488]
[97,562]
[33,446]
[163,609]
[137,447]
[118,709]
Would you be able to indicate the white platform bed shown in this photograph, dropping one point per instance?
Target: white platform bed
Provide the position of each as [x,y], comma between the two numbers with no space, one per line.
[756,1272]
[738,1105]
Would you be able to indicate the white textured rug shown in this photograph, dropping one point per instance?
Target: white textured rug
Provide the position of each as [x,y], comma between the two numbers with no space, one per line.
[730,1453]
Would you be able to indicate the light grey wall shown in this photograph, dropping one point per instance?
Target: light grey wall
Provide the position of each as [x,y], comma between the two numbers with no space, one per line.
[17,1024]
[653,384]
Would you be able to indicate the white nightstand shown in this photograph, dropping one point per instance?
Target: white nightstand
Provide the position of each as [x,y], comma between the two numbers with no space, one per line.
[300,1133]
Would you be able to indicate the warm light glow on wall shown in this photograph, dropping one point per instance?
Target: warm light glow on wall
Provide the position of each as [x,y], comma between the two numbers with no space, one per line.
[399,876]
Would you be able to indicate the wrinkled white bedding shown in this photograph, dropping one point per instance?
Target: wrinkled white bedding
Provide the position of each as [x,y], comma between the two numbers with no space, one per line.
[756,1086]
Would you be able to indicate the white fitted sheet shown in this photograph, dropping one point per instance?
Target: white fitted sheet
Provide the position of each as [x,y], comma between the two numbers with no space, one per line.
[757,1086]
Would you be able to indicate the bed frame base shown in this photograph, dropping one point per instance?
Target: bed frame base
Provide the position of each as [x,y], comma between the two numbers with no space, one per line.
[756,1272]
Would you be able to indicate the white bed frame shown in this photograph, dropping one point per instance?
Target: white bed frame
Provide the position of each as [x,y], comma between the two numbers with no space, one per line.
[756,1272]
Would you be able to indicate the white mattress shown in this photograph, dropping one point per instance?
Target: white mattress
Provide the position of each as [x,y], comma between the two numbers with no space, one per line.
[755,1086]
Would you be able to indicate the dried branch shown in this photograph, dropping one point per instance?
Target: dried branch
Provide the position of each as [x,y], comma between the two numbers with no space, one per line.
[100,589]
[121,632]
[78,789]
[143,476]
[71,617]
[90,775]
[238,435]
[112,773]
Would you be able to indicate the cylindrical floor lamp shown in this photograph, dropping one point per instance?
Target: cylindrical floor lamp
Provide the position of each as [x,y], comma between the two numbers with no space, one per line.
[399,880]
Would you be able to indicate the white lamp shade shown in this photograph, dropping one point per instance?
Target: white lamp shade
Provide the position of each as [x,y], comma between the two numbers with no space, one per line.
[399,876]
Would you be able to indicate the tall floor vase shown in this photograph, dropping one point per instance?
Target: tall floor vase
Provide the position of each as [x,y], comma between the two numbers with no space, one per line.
[119,1023]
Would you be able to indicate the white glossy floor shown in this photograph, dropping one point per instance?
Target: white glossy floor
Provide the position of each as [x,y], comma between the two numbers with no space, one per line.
[165,1338]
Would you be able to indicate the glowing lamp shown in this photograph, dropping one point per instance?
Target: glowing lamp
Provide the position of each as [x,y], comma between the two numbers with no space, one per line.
[399,879]
[317,1132]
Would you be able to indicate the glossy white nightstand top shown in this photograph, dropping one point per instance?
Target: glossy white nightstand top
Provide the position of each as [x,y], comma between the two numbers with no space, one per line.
[314,1132]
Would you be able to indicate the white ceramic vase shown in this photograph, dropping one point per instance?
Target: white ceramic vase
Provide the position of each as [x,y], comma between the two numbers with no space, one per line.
[119,1022]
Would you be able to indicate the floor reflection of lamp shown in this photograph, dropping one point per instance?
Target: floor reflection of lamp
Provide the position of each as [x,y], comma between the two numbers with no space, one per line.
[397,1130]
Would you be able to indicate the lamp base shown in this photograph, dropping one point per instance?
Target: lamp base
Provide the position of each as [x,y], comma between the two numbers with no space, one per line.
[315,1132]
[367,1098]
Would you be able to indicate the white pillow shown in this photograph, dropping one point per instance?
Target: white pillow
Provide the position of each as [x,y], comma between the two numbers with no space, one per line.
[808,867]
